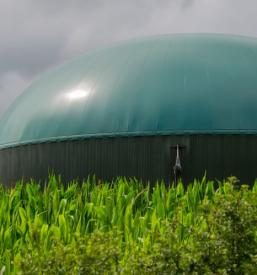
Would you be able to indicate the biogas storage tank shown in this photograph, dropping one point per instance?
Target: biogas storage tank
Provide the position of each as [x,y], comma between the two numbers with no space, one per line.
[152,108]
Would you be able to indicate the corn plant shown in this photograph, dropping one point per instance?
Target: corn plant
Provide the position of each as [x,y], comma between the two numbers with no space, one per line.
[36,218]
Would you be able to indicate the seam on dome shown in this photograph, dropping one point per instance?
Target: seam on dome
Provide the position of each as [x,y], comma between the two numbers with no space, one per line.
[129,134]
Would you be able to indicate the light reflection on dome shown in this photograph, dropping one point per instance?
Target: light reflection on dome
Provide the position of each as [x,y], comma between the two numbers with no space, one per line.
[77,94]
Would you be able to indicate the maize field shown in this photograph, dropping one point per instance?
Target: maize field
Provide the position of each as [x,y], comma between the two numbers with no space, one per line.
[127,227]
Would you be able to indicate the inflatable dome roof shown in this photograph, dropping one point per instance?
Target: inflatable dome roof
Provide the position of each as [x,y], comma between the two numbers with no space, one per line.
[174,84]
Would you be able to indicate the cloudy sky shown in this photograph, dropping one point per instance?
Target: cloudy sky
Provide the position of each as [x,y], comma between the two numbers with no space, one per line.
[36,35]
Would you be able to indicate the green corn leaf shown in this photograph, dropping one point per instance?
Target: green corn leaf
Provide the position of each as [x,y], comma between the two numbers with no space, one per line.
[23,218]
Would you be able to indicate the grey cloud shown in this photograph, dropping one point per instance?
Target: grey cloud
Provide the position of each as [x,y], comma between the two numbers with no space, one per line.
[11,85]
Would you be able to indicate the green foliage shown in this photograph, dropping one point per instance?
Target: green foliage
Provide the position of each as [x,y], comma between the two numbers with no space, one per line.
[125,227]
[98,253]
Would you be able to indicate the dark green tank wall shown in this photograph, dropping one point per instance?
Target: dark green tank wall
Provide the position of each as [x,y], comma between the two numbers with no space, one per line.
[147,158]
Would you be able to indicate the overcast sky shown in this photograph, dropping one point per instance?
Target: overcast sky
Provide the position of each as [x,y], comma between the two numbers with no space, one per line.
[36,35]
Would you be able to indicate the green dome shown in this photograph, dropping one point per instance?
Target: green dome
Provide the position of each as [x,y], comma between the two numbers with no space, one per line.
[174,84]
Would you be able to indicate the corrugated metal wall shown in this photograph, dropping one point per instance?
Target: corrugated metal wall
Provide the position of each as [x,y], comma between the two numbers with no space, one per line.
[147,158]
